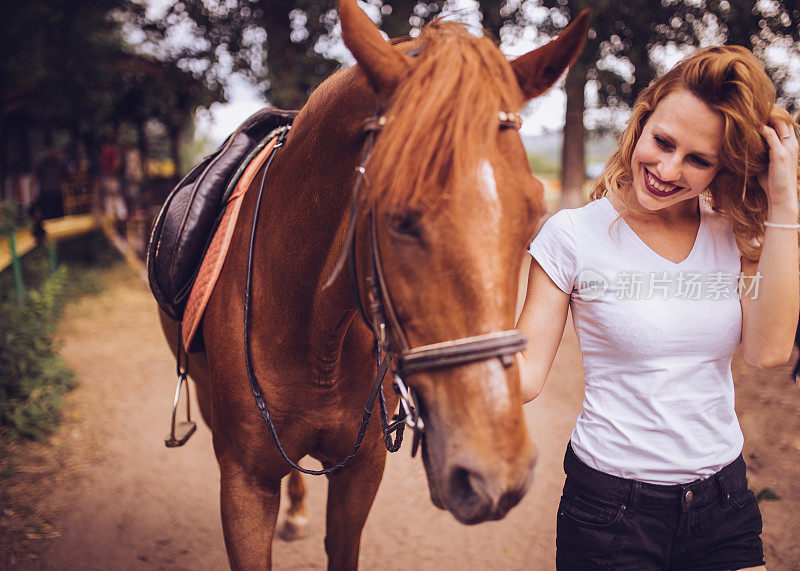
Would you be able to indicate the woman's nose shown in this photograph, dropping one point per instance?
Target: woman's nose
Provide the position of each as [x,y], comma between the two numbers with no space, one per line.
[669,169]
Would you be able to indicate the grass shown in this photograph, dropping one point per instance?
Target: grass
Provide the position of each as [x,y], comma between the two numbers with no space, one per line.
[542,167]
[33,377]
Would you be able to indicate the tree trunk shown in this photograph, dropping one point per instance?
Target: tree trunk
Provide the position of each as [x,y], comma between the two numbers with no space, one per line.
[294,69]
[25,152]
[492,20]
[396,24]
[47,132]
[573,159]
[3,158]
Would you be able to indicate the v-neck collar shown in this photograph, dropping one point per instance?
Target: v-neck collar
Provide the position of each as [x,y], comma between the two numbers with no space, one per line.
[644,245]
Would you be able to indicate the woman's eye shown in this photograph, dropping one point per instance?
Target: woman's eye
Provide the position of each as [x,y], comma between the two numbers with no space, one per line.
[702,163]
[661,142]
[406,222]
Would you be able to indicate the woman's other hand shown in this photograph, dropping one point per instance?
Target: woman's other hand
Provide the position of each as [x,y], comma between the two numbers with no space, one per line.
[780,179]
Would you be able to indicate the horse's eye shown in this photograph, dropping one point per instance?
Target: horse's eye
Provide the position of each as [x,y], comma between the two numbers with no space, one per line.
[406,222]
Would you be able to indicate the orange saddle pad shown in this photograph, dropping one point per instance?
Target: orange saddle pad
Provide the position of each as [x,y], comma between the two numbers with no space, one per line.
[215,255]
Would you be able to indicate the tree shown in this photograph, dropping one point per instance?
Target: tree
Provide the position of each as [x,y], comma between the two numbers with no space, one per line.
[617,62]
[281,46]
[48,75]
[67,66]
[242,36]
[148,89]
[758,26]
[294,30]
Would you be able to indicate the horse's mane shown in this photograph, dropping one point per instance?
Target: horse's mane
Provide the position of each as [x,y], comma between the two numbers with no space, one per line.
[442,119]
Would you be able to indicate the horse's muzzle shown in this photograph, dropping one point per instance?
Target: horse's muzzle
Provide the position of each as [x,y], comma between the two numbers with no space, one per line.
[474,496]
[475,489]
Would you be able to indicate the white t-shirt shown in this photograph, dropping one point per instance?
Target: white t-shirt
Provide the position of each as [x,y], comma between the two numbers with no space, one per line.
[656,338]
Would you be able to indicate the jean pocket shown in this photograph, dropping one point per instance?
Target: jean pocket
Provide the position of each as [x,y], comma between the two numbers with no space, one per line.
[742,497]
[588,510]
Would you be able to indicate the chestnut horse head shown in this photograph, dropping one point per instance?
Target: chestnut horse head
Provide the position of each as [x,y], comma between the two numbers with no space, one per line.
[453,206]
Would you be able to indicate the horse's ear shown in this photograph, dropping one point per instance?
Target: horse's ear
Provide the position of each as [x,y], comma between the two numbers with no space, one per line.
[383,65]
[538,70]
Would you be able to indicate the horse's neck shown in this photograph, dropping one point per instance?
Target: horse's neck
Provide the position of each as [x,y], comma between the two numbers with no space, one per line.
[314,178]
[325,147]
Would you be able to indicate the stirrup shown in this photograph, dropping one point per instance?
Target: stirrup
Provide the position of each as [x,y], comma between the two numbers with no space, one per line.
[181,431]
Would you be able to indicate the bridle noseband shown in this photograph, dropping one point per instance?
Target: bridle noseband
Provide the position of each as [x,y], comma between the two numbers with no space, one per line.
[382,320]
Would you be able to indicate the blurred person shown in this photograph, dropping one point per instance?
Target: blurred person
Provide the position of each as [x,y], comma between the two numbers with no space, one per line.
[110,173]
[49,172]
[72,163]
[132,176]
[688,249]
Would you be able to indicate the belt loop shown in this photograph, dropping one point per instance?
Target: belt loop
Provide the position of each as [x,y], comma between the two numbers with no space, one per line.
[636,488]
[724,493]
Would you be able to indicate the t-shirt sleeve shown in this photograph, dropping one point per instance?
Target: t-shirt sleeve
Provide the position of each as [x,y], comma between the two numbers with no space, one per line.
[556,249]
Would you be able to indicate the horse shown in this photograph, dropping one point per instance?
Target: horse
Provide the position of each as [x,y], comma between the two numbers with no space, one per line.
[444,210]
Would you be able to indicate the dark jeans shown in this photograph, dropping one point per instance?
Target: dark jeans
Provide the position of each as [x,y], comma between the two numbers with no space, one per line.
[606,522]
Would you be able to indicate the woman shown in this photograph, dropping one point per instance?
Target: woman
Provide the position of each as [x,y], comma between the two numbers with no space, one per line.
[703,186]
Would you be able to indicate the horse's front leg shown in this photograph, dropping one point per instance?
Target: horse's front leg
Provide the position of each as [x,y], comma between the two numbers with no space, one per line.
[350,496]
[249,511]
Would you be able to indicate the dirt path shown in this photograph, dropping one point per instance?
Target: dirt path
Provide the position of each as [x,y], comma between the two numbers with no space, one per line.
[106,493]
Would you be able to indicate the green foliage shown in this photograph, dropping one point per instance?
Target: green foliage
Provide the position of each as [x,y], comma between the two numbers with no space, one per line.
[618,55]
[70,65]
[198,146]
[32,376]
[84,258]
[542,167]
[86,253]
[11,217]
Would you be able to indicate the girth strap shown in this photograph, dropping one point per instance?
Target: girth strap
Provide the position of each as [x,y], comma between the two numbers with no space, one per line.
[501,344]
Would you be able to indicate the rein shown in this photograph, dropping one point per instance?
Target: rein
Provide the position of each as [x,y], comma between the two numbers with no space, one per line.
[377,387]
[500,344]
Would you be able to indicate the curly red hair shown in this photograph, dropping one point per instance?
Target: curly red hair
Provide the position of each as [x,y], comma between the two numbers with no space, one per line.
[731,81]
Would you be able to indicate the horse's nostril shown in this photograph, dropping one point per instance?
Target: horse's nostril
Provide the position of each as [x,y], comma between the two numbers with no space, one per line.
[462,487]
[508,501]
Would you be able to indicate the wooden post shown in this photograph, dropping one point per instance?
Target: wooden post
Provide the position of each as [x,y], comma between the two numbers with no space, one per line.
[17,268]
[51,256]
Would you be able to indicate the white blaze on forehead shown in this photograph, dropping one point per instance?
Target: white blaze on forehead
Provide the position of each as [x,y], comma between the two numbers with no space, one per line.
[487,182]
[487,222]
[497,394]
[494,382]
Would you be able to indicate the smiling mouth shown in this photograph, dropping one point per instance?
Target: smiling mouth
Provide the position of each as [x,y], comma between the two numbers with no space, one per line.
[655,186]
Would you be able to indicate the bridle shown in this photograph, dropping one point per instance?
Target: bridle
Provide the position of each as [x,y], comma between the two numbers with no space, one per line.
[391,342]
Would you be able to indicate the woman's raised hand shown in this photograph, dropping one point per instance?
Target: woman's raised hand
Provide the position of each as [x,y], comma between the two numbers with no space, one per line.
[780,180]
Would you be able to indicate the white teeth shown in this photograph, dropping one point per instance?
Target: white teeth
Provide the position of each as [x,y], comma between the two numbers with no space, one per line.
[658,186]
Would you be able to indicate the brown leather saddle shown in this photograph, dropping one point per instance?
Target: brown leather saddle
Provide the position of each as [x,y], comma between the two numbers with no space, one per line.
[189,217]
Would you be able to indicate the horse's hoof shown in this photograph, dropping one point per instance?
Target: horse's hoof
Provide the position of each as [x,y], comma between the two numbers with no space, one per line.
[294,528]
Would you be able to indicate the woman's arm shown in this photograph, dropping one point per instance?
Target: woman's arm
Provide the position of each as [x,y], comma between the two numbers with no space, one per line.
[542,320]
[770,300]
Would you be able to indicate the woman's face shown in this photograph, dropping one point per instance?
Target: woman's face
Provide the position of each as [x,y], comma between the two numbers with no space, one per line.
[677,154]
